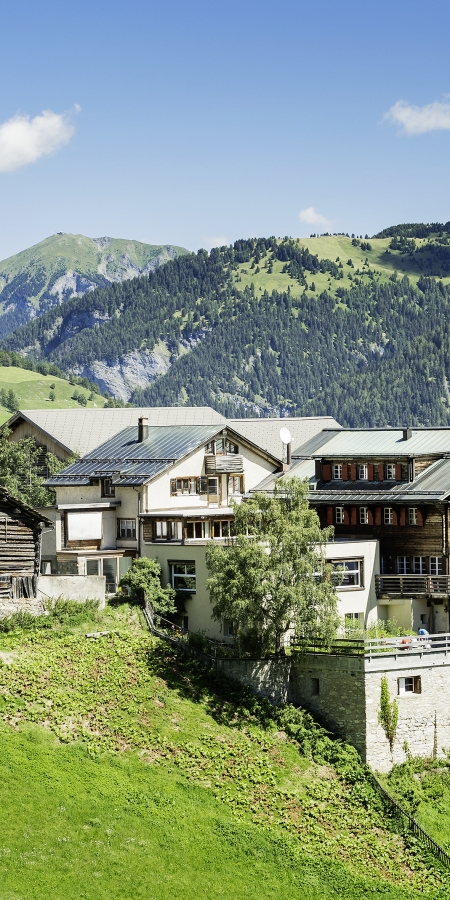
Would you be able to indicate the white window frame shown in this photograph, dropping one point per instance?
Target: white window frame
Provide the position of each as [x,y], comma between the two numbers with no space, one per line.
[336,471]
[390,472]
[190,576]
[419,565]
[436,564]
[388,515]
[353,566]
[408,685]
[403,562]
[412,515]
[363,515]
[363,471]
[339,515]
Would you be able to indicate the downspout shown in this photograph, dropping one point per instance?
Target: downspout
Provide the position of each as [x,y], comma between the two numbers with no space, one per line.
[139,522]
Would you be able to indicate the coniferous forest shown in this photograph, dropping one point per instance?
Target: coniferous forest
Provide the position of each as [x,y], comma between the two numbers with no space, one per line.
[374,352]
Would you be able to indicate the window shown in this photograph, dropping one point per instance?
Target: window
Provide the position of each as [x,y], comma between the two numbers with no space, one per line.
[231,448]
[108,489]
[412,515]
[183,486]
[195,530]
[46,567]
[436,565]
[185,623]
[228,628]
[221,528]
[182,576]
[388,515]
[336,471]
[362,472]
[315,687]
[109,571]
[353,617]
[403,565]
[167,531]
[213,487]
[339,515]
[235,484]
[126,529]
[92,566]
[419,565]
[410,685]
[389,471]
[363,515]
[160,530]
[348,572]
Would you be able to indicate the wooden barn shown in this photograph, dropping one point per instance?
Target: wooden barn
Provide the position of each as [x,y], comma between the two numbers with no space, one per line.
[20,549]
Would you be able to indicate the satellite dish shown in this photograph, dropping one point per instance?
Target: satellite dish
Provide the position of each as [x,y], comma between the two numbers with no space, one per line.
[285,435]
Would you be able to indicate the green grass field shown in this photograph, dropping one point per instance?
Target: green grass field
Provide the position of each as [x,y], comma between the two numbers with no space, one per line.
[32,391]
[126,772]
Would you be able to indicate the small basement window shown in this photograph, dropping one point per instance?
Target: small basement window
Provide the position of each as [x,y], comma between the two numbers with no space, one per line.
[315,687]
[411,684]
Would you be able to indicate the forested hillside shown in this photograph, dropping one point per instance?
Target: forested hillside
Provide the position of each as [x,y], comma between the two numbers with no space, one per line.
[269,327]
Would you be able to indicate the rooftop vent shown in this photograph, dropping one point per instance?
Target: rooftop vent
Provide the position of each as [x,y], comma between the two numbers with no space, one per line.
[407,433]
[142,429]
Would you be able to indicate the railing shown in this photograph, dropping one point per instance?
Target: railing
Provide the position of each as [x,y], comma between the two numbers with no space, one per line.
[372,647]
[195,644]
[412,585]
[408,821]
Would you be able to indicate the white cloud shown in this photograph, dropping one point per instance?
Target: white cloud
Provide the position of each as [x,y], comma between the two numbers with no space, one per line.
[420,119]
[24,140]
[311,217]
[220,241]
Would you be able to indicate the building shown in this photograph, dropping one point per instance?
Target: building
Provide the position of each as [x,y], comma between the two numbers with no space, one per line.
[20,553]
[393,486]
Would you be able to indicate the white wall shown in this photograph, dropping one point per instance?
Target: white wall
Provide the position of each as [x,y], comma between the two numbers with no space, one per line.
[358,599]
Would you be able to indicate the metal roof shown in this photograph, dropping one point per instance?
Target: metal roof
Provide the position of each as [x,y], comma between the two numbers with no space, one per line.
[130,462]
[432,484]
[266,432]
[303,468]
[377,443]
[81,430]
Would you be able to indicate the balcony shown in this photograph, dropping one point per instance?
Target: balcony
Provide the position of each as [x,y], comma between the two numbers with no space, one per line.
[231,464]
[430,586]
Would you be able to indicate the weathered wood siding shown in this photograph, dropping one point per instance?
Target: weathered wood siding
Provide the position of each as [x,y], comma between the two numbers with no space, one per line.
[19,553]
[429,539]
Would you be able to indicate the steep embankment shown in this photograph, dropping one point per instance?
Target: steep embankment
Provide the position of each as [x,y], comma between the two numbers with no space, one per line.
[67,265]
[324,325]
[126,771]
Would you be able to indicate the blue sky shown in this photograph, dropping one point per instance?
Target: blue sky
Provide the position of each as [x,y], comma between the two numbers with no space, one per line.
[197,122]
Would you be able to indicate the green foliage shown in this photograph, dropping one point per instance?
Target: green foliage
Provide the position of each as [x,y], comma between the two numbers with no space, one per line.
[62,611]
[388,713]
[24,466]
[265,579]
[143,580]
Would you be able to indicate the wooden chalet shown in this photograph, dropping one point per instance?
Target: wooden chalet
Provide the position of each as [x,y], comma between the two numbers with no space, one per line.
[20,548]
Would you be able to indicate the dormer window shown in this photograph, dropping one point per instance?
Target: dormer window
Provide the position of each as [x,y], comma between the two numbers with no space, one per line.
[336,471]
[362,472]
[108,488]
[390,471]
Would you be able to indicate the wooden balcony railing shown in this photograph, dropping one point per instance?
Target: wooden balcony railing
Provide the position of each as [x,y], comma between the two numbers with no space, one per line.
[412,586]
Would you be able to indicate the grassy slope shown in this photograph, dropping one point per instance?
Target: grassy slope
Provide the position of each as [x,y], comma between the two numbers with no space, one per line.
[32,391]
[126,773]
[381,263]
[422,786]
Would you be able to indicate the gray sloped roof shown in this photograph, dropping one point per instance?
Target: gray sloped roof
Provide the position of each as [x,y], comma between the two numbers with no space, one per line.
[433,484]
[303,468]
[266,432]
[81,430]
[128,461]
[377,443]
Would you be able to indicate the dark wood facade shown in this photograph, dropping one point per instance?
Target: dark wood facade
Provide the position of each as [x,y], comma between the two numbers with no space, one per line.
[20,546]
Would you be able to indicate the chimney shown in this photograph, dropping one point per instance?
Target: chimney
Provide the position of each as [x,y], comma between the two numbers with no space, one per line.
[407,433]
[142,429]
[289,453]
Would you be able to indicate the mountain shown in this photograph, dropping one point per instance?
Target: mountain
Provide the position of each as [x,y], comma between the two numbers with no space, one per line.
[351,327]
[64,265]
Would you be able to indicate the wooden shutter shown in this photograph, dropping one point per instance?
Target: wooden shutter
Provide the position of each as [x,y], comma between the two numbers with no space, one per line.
[329,515]
[353,515]
[419,517]
[380,472]
[370,472]
[326,472]
[398,472]
[378,515]
[402,516]
[346,517]
[370,516]
[344,472]
[394,517]
[353,472]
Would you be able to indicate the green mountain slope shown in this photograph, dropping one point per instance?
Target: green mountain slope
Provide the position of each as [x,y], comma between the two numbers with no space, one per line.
[358,329]
[65,265]
[127,771]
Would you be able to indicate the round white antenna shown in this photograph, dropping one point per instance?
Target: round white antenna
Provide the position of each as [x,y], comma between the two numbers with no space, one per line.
[285,435]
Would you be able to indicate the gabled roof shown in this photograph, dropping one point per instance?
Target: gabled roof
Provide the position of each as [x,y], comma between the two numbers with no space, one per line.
[266,432]
[376,443]
[433,484]
[130,462]
[82,430]
[28,511]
